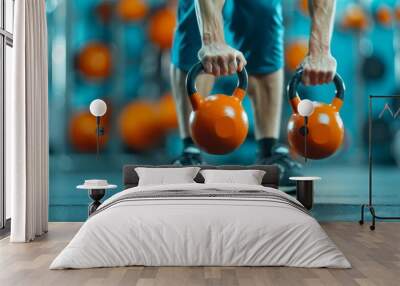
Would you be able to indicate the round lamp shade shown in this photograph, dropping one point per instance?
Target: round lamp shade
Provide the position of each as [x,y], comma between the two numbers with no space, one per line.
[98,107]
[305,107]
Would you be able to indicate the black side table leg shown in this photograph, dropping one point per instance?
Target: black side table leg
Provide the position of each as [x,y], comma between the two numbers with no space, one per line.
[305,193]
[361,221]
[96,195]
[372,210]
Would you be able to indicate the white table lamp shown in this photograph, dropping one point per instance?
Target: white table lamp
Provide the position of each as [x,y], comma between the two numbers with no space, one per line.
[98,108]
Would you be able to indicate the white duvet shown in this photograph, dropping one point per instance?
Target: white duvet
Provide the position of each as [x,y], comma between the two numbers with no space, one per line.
[192,231]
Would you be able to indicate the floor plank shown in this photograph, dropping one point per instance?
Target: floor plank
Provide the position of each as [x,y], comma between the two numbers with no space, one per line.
[375,257]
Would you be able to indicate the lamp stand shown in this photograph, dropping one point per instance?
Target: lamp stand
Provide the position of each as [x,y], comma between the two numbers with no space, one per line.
[99,132]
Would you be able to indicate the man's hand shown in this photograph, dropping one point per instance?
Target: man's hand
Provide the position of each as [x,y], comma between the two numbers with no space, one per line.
[221,59]
[318,69]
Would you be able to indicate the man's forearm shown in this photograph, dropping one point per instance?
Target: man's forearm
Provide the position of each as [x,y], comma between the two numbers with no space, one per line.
[217,57]
[322,14]
[209,18]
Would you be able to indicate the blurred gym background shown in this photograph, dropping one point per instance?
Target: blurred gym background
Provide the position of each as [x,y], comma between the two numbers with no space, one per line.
[118,50]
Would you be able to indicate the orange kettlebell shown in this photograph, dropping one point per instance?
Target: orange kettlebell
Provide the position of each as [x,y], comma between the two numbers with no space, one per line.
[218,122]
[320,134]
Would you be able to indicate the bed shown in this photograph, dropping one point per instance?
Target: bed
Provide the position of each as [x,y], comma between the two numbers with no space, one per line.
[198,224]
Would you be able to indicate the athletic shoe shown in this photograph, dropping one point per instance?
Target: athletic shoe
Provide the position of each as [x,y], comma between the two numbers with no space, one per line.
[189,156]
[287,166]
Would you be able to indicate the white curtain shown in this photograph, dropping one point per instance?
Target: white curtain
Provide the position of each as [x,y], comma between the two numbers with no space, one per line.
[27,124]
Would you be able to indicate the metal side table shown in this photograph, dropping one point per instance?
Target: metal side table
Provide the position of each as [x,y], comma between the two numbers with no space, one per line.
[305,190]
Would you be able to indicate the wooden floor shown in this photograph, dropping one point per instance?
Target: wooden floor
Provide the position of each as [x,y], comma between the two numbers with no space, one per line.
[375,257]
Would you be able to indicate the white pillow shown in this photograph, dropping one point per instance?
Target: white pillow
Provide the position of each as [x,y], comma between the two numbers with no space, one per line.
[164,176]
[248,177]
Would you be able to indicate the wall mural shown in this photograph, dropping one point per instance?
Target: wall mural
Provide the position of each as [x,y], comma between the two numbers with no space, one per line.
[119,51]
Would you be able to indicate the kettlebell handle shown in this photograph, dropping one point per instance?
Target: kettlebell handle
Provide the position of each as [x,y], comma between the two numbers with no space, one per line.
[196,98]
[294,98]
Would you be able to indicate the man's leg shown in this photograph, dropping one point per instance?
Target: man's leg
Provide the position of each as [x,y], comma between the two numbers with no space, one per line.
[266,94]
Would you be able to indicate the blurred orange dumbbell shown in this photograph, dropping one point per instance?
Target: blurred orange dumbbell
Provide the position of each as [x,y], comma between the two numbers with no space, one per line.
[94,61]
[82,132]
[139,126]
[355,18]
[161,28]
[383,15]
[167,112]
[295,53]
[132,10]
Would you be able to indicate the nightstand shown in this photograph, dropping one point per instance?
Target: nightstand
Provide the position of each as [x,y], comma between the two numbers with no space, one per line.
[305,190]
[96,191]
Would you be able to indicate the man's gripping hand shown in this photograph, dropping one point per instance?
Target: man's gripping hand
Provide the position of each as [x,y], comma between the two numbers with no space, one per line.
[318,68]
[219,58]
